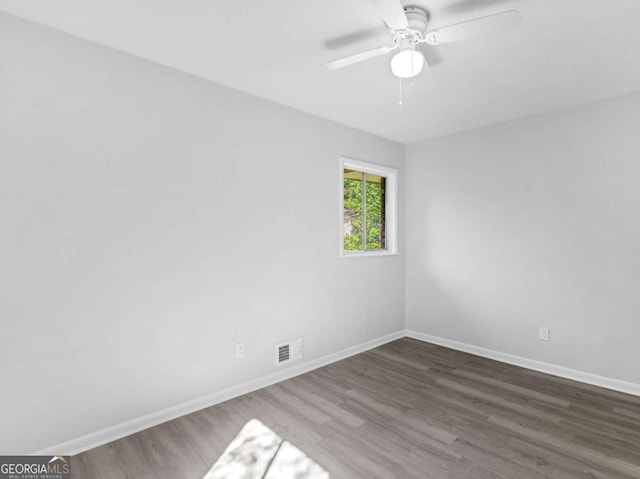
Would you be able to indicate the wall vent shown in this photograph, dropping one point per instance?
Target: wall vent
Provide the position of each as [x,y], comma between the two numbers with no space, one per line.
[289,351]
[284,353]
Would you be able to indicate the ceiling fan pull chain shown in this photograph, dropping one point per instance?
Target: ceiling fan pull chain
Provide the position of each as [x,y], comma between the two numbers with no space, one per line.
[400,100]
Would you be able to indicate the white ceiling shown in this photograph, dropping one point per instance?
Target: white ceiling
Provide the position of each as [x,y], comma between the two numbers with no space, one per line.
[565,53]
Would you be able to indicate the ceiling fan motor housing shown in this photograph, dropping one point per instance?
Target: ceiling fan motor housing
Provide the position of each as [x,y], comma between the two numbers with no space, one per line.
[418,20]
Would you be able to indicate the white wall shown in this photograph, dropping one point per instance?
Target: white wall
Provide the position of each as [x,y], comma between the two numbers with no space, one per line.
[531,223]
[149,221]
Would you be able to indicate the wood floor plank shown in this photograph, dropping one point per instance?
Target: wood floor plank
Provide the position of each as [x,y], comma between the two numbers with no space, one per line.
[407,409]
[527,393]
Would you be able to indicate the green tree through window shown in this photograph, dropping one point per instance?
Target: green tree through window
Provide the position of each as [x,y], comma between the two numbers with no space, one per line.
[364,211]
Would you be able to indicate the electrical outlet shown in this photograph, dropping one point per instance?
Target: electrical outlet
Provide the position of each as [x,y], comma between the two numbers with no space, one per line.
[544,334]
[240,350]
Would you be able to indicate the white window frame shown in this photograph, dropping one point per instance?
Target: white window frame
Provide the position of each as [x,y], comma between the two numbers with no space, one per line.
[391,206]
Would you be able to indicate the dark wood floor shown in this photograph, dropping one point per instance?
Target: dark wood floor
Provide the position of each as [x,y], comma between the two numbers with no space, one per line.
[406,409]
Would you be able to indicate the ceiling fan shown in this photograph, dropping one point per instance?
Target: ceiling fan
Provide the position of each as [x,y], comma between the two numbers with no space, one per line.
[409,27]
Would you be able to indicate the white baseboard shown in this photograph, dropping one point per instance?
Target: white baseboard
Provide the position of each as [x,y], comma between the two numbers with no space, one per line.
[118,431]
[561,371]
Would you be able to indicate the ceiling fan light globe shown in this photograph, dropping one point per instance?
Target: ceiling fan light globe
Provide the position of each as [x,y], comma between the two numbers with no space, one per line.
[407,63]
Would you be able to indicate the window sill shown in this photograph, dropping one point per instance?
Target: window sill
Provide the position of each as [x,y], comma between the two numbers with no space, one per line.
[366,254]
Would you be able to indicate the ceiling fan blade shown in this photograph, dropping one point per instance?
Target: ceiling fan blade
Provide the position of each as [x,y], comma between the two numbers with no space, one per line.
[392,13]
[431,55]
[358,57]
[462,6]
[498,23]
[356,37]
[426,70]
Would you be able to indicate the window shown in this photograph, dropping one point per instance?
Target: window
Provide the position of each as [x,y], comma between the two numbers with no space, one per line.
[368,204]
